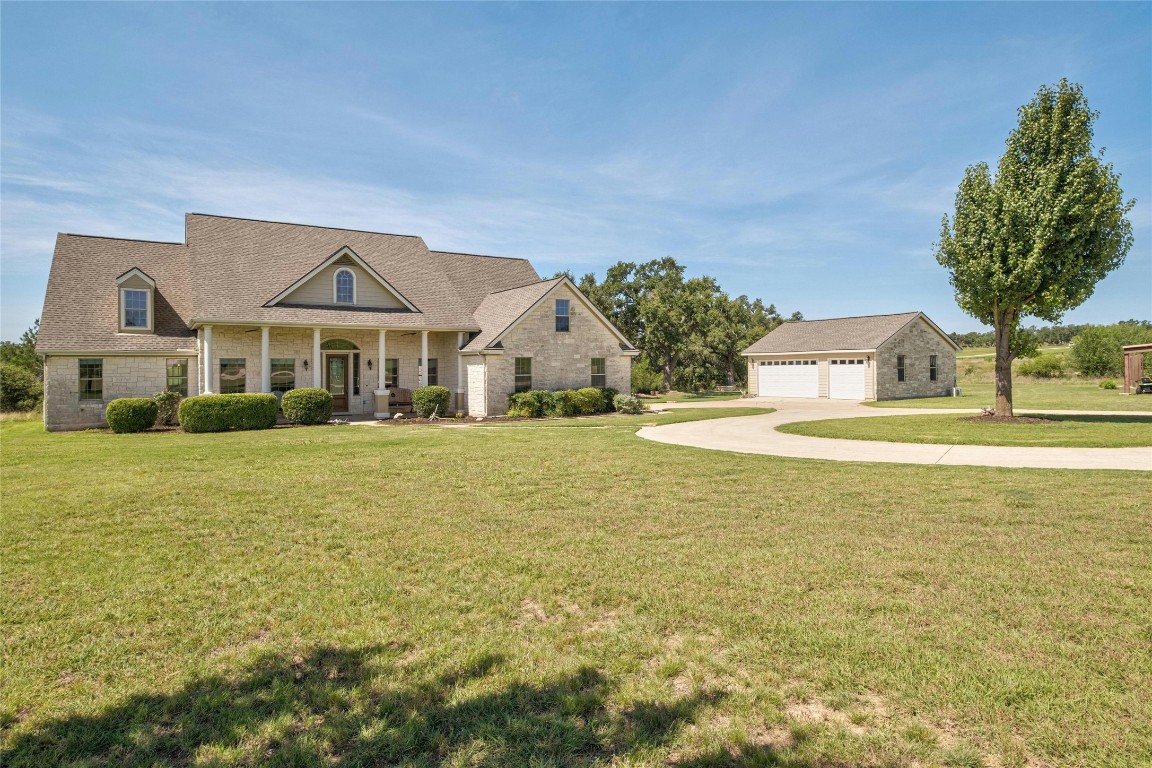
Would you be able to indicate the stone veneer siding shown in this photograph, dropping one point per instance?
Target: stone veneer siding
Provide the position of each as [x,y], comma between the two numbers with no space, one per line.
[916,341]
[559,360]
[124,376]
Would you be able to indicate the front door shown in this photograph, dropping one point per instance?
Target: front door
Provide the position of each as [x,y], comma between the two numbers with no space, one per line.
[336,381]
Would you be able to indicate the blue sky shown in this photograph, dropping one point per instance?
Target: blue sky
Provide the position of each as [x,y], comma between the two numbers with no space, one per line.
[800,153]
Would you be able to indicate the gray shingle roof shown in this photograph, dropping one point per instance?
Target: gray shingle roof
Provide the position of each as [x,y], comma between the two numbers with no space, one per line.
[855,333]
[500,310]
[82,301]
[231,268]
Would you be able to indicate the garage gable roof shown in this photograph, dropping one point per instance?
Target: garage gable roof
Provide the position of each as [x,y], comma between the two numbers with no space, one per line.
[862,334]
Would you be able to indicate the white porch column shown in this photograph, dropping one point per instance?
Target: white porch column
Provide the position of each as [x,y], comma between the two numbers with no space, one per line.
[459,371]
[381,393]
[317,363]
[381,368]
[207,362]
[423,358]
[265,361]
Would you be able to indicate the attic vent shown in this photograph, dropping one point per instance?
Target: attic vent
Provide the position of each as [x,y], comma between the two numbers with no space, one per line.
[345,260]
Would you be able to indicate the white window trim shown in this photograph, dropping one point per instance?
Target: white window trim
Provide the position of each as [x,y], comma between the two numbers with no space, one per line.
[124,311]
[354,286]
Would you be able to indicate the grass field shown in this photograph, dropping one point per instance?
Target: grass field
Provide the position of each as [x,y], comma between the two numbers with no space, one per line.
[969,352]
[1060,395]
[1070,431]
[561,594]
[687,397]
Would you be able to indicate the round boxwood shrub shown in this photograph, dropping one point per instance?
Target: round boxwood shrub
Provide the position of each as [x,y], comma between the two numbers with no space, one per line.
[628,404]
[528,404]
[131,414]
[429,400]
[220,413]
[560,403]
[588,400]
[307,405]
[609,396]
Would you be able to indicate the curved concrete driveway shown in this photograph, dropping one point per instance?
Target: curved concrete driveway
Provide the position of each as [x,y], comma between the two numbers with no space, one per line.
[757,434]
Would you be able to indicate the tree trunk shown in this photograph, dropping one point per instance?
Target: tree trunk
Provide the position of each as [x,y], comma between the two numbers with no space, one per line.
[1003,327]
[731,373]
[667,367]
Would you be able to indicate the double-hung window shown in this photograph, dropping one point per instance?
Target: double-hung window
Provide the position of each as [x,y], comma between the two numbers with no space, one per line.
[599,373]
[232,375]
[392,372]
[932,367]
[899,367]
[562,308]
[134,309]
[178,376]
[523,374]
[91,379]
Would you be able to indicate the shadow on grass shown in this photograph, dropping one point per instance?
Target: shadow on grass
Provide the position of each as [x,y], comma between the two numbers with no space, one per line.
[1085,418]
[358,707]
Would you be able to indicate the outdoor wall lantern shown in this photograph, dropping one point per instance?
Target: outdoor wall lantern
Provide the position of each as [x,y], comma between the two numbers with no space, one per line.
[369,363]
[305,365]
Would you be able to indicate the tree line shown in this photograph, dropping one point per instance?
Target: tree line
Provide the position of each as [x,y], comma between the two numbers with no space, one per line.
[21,372]
[689,331]
[1047,335]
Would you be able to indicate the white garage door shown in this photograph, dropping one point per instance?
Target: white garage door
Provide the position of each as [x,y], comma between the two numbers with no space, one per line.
[789,378]
[846,379]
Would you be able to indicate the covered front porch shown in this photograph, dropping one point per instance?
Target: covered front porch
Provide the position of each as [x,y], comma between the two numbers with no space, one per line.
[354,364]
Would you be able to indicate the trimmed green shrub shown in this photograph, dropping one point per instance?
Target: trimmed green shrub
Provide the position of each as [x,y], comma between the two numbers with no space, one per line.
[1043,366]
[307,405]
[1108,384]
[560,403]
[130,414]
[20,390]
[220,413]
[1098,350]
[528,404]
[429,400]
[167,406]
[609,396]
[588,400]
[628,404]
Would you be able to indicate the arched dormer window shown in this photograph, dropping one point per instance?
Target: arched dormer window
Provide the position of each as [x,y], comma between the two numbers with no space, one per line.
[344,286]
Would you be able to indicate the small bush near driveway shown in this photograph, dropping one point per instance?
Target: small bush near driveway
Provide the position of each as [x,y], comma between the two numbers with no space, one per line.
[307,405]
[221,413]
[131,414]
[628,404]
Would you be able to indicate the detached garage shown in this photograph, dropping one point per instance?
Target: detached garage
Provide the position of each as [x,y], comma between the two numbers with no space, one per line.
[876,357]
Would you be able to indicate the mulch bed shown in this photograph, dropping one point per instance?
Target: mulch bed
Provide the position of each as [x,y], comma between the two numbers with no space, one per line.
[1009,420]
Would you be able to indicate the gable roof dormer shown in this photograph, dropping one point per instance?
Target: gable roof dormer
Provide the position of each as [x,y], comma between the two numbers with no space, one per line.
[343,280]
[136,300]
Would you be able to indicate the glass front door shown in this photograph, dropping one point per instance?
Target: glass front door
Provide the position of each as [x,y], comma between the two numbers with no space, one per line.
[336,373]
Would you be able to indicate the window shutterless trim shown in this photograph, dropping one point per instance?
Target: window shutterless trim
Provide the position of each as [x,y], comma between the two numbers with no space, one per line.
[177,381]
[563,315]
[147,327]
[90,373]
[336,285]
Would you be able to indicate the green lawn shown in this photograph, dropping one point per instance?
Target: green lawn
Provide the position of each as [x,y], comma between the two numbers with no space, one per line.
[539,594]
[1058,395]
[1071,431]
[688,397]
[968,352]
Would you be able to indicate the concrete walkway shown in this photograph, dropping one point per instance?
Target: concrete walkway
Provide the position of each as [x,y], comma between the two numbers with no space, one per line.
[757,434]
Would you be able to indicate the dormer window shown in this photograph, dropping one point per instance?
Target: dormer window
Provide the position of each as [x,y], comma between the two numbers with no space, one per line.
[137,292]
[345,287]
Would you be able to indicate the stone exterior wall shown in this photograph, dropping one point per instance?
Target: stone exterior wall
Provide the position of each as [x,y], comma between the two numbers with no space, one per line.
[124,376]
[559,360]
[916,341]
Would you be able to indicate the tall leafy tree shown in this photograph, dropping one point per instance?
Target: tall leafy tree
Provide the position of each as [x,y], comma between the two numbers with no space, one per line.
[23,353]
[1035,239]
